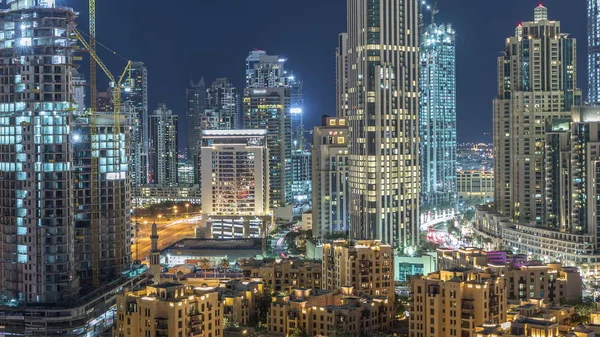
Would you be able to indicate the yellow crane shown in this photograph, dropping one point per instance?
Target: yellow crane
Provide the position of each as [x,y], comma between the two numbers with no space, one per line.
[93,84]
[95,215]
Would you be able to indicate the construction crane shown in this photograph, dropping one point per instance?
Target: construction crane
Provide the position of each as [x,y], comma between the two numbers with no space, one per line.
[95,215]
[93,84]
[434,11]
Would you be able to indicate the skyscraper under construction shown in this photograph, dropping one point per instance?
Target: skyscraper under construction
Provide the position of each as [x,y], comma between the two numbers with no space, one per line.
[50,252]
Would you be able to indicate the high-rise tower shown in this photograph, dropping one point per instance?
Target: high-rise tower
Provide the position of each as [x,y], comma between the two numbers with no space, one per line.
[196,104]
[383,90]
[593,8]
[163,147]
[224,101]
[267,105]
[137,97]
[37,222]
[438,117]
[536,84]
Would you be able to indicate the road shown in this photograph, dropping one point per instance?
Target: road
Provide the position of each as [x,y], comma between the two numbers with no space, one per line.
[169,232]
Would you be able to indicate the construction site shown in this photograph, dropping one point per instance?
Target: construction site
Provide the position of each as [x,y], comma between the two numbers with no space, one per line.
[65,176]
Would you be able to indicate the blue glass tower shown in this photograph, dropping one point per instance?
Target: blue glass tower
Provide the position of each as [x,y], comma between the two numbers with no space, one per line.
[594,51]
[438,117]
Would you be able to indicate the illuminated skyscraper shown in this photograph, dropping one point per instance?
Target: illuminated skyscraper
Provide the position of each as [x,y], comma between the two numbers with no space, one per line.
[196,104]
[536,85]
[383,91]
[224,101]
[267,106]
[38,260]
[438,117]
[593,51]
[163,147]
[269,109]
[137,98]
[48,249]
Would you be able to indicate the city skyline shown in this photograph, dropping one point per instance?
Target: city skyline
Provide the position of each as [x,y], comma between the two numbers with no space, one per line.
[385,193]
[216,57]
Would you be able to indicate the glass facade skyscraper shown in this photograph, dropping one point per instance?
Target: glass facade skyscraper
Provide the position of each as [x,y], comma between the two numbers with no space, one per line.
[593,51]
[438,117]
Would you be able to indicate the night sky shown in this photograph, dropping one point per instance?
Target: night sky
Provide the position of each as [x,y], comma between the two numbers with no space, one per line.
[179,40]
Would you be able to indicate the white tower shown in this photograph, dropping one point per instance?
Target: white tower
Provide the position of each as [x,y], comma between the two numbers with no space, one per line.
[154,255]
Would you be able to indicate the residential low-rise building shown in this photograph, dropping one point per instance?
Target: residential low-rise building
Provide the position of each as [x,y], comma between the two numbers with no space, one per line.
[454,302]
[240,300]
[525,280]
[169,309]
[285,275]
[366,265]
[327,313]
[535,280]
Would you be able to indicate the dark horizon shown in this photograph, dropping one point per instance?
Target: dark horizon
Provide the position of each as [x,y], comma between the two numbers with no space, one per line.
[212,38]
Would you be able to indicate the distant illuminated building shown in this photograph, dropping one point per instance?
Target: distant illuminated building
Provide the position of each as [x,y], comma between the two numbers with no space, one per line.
[223,100]
[267,106]
[185,172]
[195,106]
[163,147]
[136,96]
[438,117]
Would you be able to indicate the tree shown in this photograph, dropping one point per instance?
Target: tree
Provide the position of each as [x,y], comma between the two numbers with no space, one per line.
[299,332]
[224,265]
[205,265]
[341,331]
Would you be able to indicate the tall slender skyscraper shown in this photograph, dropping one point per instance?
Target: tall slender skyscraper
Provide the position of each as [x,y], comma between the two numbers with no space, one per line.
[163,147]
[267,105]
[438,117]
[196,104]
[137,97]
[383,91]
[537,79]
[593,8]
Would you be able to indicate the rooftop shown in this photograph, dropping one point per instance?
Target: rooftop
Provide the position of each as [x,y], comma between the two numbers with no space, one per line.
[216,133]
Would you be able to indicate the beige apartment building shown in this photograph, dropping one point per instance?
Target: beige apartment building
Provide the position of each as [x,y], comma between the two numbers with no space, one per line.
[327,313]
[551,282]
[452,303]
[240,300]
[169,310]
[477,185]
[286,274]
[525,280]
[366,265]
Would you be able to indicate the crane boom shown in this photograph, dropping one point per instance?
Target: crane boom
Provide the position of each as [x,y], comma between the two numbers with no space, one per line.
[434,11]
[95,216]
[93,84]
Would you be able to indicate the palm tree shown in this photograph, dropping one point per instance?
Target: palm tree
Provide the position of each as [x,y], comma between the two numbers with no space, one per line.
[224,265]
[204,265]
